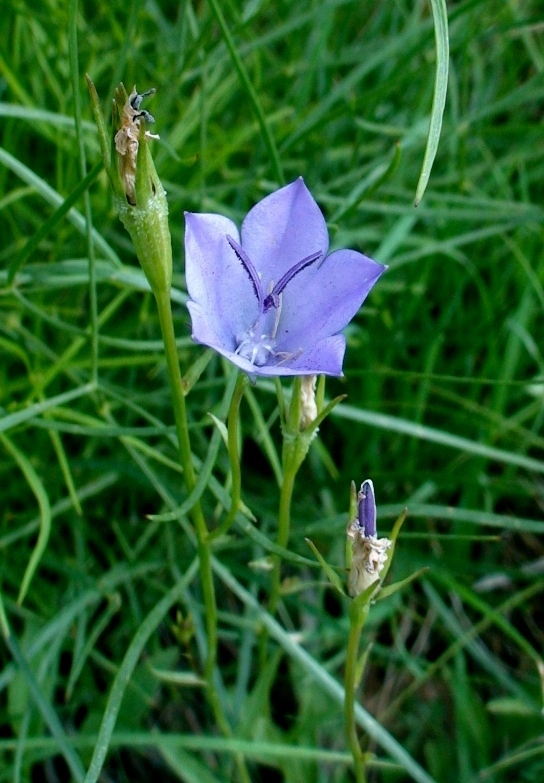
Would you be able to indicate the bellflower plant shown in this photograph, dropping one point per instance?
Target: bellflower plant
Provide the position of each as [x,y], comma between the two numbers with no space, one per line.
[269,298]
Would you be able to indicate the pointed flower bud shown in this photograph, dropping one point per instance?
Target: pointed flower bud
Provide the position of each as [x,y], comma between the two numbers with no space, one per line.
[369,553]
[139,197]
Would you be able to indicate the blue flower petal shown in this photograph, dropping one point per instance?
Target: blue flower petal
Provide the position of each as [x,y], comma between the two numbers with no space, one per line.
[217,281]
[282,229]
[323,299]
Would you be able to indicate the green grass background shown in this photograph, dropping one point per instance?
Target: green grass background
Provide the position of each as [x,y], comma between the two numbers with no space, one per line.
[444,375]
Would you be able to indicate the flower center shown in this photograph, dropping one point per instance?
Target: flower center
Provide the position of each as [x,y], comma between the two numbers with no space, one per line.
[258,343]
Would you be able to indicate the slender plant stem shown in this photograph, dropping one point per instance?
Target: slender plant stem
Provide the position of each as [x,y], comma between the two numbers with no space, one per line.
[74,69]
[291,461]
[252,93]
[234,457]
[284,529]
[357,621]
[197,515]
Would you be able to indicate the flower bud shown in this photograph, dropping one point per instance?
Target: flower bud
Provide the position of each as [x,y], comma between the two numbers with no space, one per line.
[369,553]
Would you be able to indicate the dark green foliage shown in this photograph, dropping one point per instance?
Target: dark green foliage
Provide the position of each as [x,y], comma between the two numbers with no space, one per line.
[447,347]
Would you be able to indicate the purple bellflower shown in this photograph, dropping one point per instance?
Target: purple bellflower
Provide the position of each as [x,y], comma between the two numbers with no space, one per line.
[271,300]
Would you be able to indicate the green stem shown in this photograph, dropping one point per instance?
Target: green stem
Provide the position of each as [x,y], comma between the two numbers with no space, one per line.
[291,459]
[203,542]
[234,457]
[357,621]
[74,69]
[284,527]
[178,399]
[252,93]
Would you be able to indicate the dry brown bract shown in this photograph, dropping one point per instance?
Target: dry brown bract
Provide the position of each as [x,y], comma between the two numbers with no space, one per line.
[127,140]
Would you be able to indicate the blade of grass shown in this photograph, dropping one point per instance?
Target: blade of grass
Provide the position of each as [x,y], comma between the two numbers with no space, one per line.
[423,432]
[440,18]
[48,713]
[40,494]
[47,226]
[254,99]
[56,200]
[322,676]
[135,648]
[19,417]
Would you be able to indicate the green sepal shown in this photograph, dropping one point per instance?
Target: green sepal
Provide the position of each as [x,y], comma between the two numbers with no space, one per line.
[385,592]
[360,605]
[310,429]
[332,576]
[105,140]
[352,515]
[393,538]
[296,443]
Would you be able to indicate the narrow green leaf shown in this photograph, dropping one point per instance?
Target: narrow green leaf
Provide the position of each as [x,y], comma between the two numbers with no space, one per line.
[385,592]
[185,679]
[187,767]
[56,200]
[333,577]
[433,435]
[361,665]
[48,713]
[14,419]
[222,427]
[114,604]
[47,226]
[368,186]
[40,494]
[135,648]
[196,369]
[440,17]
[250,90]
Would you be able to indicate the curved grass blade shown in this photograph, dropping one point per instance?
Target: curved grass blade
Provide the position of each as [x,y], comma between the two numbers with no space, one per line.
[49,715]
[433,435]
[314,669]
[54,198]
[440,16]
[114,604]
[45,229]
[128,665]
[38,489]
[250,90]
[18,417]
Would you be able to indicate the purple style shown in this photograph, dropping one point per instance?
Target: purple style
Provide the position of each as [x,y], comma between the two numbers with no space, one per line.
[367,509]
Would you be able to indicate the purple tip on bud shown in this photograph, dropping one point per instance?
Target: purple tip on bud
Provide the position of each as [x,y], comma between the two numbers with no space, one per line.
[367,508]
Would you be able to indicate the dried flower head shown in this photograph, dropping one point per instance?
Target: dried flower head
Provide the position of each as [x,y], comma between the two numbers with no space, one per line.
[138,195]
[127,139]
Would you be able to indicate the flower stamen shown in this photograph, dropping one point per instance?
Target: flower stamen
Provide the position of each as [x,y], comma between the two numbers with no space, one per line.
[272,300]
[250,269]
